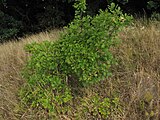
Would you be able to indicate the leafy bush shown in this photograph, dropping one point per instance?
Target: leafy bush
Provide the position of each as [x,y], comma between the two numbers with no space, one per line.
[79,58]
[9,27]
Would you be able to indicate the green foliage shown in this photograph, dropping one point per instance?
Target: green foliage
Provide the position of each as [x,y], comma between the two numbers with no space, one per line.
[87,42]
[79,58]
[9,27]
[123,1]
[155,16]
[146,106]
[45,87]
[106,107]
[153,4]
[102,108]
[47,14]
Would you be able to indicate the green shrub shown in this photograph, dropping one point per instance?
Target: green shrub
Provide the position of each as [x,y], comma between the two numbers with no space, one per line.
[79,58]
[9,27]
[45,86]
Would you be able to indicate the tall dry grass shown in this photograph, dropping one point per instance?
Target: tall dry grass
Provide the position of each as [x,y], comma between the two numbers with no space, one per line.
[138,72]
[136,78]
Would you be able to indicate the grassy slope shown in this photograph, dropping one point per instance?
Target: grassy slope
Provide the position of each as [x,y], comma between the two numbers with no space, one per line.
[136,78]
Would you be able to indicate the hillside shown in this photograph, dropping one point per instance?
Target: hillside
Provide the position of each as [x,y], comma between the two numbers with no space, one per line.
[135,80]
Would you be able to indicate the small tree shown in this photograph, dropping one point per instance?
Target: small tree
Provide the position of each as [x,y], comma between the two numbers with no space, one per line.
[81,56]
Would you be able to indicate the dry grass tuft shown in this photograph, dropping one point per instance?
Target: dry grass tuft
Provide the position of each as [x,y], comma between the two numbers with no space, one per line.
[136,79]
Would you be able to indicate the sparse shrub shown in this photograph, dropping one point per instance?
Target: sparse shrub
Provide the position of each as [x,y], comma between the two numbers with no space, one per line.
[79,58]
[155,16]
[97,107]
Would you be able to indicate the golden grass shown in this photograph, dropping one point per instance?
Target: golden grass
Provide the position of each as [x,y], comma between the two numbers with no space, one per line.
[136,79]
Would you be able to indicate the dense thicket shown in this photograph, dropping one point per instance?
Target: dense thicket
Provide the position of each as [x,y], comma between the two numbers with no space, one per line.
[37,15]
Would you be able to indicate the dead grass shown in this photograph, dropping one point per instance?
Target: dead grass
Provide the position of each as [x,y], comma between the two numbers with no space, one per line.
[138,72]
[136,79]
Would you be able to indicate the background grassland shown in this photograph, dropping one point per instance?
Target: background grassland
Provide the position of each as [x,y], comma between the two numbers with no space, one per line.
[135,80]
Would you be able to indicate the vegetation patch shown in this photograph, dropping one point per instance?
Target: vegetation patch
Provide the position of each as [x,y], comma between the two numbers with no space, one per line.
[79,58]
